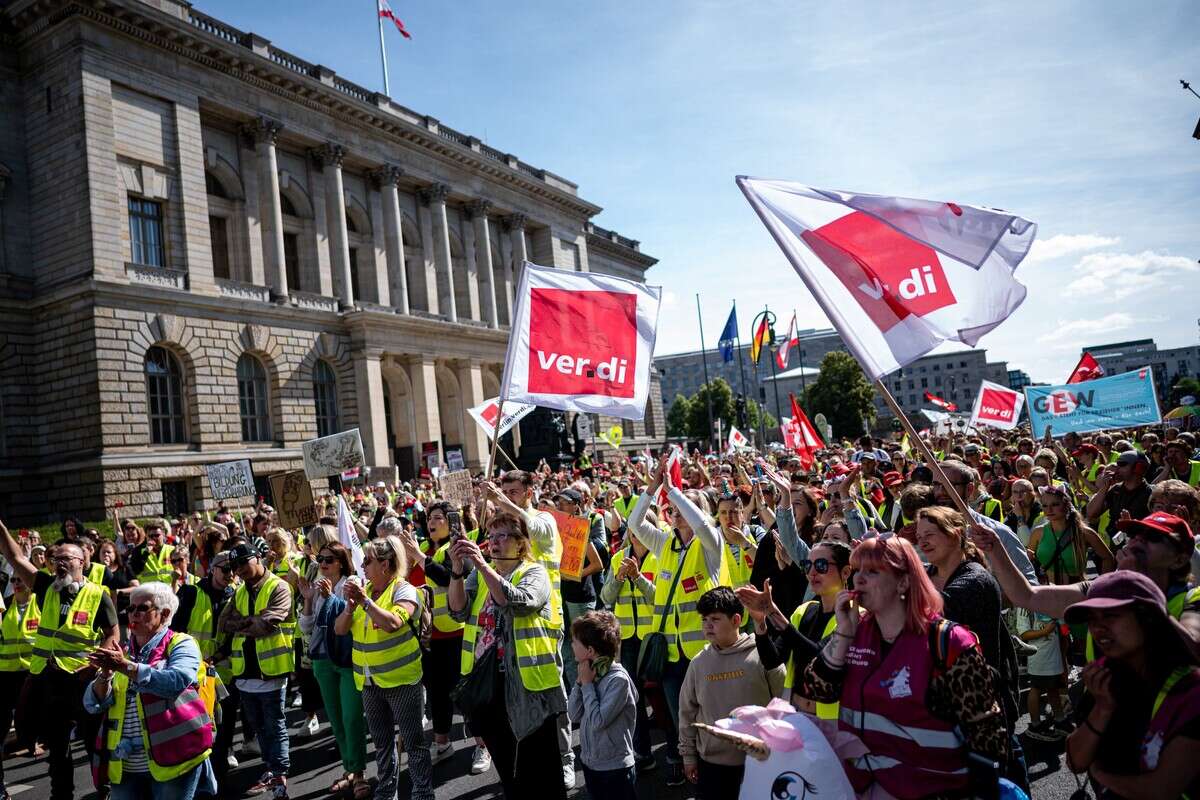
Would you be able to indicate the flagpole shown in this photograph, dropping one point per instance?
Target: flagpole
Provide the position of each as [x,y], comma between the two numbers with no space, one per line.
[383,58]
[737,334]
[707,385]
[800,355]
[774,377]
[929,459]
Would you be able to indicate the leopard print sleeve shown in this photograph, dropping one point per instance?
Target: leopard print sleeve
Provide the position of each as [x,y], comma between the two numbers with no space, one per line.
[965,695]
[821,682]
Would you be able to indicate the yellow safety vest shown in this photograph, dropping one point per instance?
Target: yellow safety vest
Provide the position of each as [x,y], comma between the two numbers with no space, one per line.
[201,626]
[115,723]
[739,569]
[625,505]
[824,710]
[536,640]
[1193,478]
[275,654]
[550,560]
[17,633]
[442,621]
[393,658]
[281,571]
[635,615]
[157,567]
[95,573]
[684,627]
[69,645]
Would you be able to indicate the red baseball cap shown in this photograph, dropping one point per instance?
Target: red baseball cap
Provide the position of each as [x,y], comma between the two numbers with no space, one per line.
[838,470]
[892,478]
[1171,526]
[1085,448]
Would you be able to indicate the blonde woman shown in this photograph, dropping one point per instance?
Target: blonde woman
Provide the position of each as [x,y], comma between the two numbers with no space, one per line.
[381,618]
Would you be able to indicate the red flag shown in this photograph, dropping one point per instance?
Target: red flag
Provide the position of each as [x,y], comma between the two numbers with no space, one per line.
[800,435]
[792,340]
[385,11]
[1088,369]
[672,477]
[945,405]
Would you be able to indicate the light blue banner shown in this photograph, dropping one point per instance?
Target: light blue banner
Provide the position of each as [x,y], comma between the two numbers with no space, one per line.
[1121,401]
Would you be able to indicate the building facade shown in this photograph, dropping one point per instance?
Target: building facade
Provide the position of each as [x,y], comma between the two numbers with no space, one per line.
[951,376]
[212,249]
[1169,365]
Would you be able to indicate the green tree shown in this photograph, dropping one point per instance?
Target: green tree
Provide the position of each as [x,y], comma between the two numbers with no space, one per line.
[843,394]
[722,408]
[752,412]
[677,416]
[1183,387]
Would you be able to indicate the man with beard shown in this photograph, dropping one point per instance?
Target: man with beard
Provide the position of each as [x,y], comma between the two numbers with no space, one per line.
[76,617]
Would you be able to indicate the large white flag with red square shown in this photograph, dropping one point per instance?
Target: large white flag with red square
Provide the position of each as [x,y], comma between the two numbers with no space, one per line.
[581,341]
[998,406]
[897,277]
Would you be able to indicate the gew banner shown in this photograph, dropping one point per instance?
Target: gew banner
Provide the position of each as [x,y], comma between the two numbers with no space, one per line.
[1120,401]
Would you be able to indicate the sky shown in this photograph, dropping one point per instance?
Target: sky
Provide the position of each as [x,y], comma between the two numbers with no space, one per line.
[1069,114]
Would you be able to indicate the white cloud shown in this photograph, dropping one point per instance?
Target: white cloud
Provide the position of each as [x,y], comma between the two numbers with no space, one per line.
[1068,335]
[669,299]
[1066,244]
[1118,275]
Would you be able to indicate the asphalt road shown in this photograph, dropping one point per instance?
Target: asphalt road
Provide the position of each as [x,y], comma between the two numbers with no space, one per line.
[315,766]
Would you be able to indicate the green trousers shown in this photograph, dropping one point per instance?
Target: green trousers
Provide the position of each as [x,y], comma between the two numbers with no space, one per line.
[343,705]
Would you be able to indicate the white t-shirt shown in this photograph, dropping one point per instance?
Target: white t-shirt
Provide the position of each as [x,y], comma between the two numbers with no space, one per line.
[1048,660]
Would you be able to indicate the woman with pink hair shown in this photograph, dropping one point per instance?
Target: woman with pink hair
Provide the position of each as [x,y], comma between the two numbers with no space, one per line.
[912,686]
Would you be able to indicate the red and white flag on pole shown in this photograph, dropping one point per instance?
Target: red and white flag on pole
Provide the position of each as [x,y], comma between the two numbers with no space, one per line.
[385,12]
[485,414]
[737,439]
[581,341]
[940,402]
[790,341]
[673,476]
[998,406]
[800,435]
[1088,369]
[897,277]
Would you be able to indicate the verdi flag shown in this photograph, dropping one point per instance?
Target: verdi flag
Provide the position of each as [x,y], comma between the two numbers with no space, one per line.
[897,277]
[1088,369]
[997,406]
[728,336]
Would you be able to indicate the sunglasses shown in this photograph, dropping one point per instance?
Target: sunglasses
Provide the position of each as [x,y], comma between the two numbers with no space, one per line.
[141,608]
[327,559]
[821,565]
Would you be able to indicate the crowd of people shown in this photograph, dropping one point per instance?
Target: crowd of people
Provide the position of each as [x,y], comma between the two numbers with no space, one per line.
[907,601]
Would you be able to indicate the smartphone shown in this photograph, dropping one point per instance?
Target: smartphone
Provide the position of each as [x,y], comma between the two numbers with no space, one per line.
[455,520]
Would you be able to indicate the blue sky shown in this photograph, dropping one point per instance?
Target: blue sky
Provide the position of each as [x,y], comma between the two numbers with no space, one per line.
[1069,114]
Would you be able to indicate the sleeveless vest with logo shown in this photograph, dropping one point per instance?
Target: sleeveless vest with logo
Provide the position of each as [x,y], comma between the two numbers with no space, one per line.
[913,754]
[17,633]
[635,615]
[536,640]
[157,567]
[550,559]
[684,625]
[393,659]
[276,656]
[69,645]
[442,621]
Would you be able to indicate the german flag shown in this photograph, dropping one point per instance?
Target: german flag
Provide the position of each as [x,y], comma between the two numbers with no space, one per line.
[761,339]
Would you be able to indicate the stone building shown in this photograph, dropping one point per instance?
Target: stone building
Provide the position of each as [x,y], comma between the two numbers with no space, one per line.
[954,376]
[212,249]
[1168,364]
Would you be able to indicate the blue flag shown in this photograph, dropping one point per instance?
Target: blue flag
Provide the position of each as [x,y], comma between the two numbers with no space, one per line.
[728,336]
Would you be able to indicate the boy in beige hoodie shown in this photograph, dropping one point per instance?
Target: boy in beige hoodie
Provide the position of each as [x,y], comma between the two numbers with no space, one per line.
[725,675]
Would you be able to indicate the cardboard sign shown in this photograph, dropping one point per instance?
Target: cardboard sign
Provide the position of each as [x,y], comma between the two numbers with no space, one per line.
[456,488]
[333,455]
[583,427]
[454,457]
[573,533]
[231,479]
[293,499]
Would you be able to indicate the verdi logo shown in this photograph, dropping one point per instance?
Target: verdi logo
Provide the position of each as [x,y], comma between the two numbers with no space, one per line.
[582,342]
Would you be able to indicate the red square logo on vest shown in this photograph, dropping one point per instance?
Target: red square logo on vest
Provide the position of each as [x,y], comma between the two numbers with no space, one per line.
[889,274]
[689,585]
[80,618]
[582,342]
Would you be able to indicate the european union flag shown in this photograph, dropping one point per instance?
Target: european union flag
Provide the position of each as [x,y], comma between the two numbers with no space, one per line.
[728,336]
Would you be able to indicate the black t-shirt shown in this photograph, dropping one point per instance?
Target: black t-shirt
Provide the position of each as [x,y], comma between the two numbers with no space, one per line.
[1136,502]
[106,615]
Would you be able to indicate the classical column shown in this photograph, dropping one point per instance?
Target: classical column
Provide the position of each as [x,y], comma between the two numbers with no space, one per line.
[264,132]
[477,212]
[468,241]
[422,373]
[515,225]
[372,419]
[387,178]
[470,387]
[435,198]
[330,157]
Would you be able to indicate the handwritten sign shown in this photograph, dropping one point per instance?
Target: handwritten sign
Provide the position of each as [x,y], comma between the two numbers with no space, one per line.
[456,488]
[293,499]
[231,479]
[333,455]
[573,533]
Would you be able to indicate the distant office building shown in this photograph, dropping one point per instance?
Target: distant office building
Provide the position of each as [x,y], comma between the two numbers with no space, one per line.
[1018,379]
[1169,365]
[952,376]
[683,373]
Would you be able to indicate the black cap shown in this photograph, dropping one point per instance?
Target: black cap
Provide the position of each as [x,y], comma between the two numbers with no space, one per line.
[570,495]
[241,553]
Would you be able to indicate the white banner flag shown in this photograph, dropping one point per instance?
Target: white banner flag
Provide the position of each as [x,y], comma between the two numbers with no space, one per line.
[485,413]
[997,406]
[349,537]
[581,341]
[737,438]
[897,277]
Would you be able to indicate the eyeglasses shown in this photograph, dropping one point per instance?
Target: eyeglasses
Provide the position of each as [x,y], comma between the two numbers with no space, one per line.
[821,565]
[141,608]
[327,560]
[498,535]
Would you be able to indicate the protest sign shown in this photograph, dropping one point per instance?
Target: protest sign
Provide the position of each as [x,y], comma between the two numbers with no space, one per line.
[485,414]
[454,457]
[583,427]
[389,475]
[1120,401]
[293,499]
[573,533]
[231,479]
[456,488]
[997,406]
[333,455]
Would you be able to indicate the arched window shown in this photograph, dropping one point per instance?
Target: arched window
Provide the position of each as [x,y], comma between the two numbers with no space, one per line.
[164,396]
[252,399]
[325,399]
[287,206]
[213,186]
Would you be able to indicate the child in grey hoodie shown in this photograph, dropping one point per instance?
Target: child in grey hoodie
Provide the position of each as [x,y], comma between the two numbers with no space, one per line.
[603,706]
[725,675]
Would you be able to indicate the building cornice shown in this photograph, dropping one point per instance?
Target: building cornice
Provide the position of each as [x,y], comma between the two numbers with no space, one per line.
[252,60]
